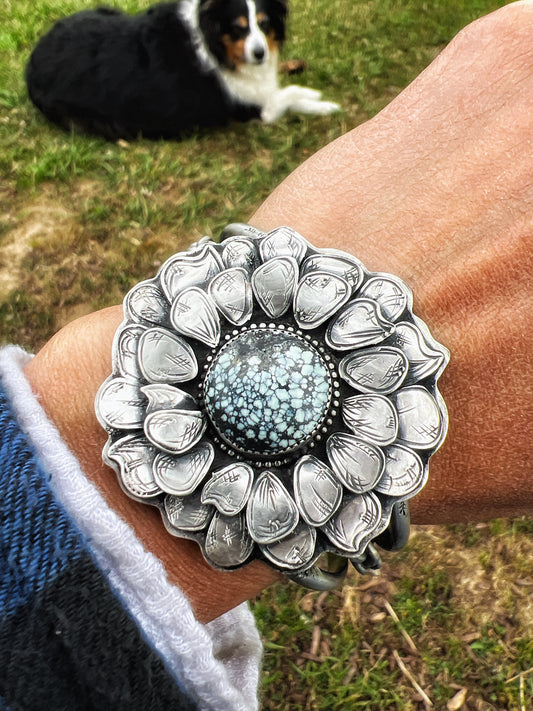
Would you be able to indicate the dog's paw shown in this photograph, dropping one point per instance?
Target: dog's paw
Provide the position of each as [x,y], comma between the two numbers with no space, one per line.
[303,93]
[300,99]
[318,108]
[327,107]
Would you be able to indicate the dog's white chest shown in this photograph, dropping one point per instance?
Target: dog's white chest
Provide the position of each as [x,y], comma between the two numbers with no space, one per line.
[253,83]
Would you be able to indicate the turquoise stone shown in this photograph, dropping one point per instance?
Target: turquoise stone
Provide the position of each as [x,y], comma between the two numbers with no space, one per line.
[267,391]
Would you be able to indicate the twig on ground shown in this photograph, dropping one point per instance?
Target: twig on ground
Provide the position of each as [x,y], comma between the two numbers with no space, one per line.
[405,671]
[402,629]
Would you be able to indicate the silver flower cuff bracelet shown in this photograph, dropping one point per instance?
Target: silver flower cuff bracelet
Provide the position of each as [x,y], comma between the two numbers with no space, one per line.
[274,401]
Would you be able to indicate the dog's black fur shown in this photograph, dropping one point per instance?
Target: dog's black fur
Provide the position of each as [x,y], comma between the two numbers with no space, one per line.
[120,76]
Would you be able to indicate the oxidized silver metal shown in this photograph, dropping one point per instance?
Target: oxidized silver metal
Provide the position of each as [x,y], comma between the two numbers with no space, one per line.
[275,401]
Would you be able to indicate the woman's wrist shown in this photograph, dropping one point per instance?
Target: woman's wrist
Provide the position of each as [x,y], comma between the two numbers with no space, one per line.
[65,375]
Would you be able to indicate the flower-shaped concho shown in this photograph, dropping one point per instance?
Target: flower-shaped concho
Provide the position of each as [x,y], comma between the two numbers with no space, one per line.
[273,400]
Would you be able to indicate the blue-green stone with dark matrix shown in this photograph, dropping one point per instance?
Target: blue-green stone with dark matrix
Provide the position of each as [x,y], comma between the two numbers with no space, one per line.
[267,391]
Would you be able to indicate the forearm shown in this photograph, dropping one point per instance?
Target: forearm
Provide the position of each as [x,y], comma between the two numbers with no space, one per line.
[54,379]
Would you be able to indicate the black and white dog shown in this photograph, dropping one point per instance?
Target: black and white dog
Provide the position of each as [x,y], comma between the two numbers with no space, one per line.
[176,67]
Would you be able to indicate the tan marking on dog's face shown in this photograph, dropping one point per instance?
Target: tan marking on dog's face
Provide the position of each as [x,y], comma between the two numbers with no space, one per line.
[234,50]
[235,47]
[271,41]
[270,35]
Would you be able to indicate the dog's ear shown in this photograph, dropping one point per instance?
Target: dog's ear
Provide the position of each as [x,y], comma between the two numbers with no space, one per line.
[208,5]
[209,21]
[277,12]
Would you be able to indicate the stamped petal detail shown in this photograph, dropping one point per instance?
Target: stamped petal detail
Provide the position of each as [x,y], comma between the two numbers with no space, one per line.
[284,242]
[271,513]
[232,293]
[181,475]
[359,324]
[182,271]
[187,513]
[392,295]
[421,424]
[378,370]
[273,284]
[358,464]
[342,265]
[353,525]
[371,417]
[134,457]
[295,551]
[167,397]
[227,543]
[164,357]
[240,229]
[405,473]
[229,488]
[146,302]
[424,359]
[174,431]
[120,404]
[126,347]
[318,296]
[240,252]
[316,490]
[193,314]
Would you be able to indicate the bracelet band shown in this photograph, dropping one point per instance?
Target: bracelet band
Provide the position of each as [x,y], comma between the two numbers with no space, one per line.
[275,401]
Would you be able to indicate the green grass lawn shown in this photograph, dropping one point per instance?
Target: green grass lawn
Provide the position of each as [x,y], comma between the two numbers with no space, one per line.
[82,219]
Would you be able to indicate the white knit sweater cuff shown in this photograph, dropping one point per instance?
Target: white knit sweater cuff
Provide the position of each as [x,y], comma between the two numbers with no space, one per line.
[217,664]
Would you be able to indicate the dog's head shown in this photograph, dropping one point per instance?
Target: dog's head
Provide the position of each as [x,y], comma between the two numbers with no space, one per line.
[242,31]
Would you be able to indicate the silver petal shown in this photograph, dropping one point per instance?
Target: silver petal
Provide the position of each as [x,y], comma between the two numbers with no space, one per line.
[240,229]
[391,294]
[371,417]
[181,475]
[194,314]
[164,357]
[182,271]
[316,490]
[318,296]
[353,525]
[375,370]
[273,284]
[423,358]
[120,404]
[294,551]
[146,302]
[167,397]
[240,252]
[187,513]
[421,424]
[283,242]
[343,265]
[125,350]
[404,474]
[387,505]
[271,513]
[175,431]
[134,456]
[359,324]
[227,543]
[232,293]
[229,488]
[358,464]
